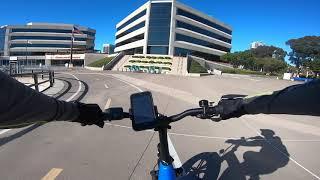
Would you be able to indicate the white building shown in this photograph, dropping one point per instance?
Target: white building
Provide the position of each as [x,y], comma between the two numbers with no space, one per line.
[256,44]
[169,27]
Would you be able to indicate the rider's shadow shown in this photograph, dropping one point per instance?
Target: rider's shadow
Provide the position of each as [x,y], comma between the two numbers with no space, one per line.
[271,156]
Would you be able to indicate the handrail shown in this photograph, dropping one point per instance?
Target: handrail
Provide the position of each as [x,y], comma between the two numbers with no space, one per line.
[35,76]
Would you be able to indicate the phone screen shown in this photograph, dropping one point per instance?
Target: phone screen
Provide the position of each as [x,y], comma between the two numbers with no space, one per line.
[143,109]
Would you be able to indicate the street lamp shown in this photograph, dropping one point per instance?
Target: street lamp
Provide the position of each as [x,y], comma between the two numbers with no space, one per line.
[28,42]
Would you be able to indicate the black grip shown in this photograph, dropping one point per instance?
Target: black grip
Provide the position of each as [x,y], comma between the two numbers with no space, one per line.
[114,114]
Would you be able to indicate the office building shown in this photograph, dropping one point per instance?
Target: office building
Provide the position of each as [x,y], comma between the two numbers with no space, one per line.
[31,43]
[169,27]
[108,48]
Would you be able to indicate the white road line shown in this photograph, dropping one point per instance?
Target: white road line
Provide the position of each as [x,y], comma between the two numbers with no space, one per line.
[4,131]
[177,162]
[298,164]
[173,153]
[107,104]
[106,86]
[79,89]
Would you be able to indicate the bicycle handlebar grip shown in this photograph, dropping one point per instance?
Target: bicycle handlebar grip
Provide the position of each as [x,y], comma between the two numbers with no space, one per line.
[114,114]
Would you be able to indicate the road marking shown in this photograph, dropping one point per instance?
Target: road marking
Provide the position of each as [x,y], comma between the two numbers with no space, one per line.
[107,104]
[106,86]
[298,164]
[79,89]
[4,131]
[173,153]
[52,174]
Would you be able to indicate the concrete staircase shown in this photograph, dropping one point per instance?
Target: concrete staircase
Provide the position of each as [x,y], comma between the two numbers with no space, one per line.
[179,66]
[120,65]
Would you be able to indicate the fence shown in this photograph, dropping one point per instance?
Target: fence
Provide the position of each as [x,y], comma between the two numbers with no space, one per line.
[36,76]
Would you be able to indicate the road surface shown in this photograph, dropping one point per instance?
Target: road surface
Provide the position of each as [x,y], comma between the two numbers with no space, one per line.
[62,150]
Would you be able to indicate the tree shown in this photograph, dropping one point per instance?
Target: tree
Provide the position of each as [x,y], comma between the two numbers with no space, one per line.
[273,65]
[304,49]
[269,52]
[229,57]
[315,66]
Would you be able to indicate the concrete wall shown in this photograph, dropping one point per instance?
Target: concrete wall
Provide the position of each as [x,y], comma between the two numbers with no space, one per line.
[92,57]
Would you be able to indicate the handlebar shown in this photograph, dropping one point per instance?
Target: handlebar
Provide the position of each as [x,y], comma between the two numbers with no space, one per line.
[113,114]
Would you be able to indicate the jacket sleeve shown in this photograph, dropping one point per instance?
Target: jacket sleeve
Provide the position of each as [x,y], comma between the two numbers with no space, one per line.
[302,99]
[21,106]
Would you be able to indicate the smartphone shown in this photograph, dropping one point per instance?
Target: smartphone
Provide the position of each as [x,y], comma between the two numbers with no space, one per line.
[143,111]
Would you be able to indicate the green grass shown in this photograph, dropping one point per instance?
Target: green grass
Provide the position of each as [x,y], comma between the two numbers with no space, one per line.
[195,67]
[242,71]
[101,62]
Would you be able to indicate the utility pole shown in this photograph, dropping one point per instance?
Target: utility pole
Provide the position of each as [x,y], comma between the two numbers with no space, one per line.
[71,51]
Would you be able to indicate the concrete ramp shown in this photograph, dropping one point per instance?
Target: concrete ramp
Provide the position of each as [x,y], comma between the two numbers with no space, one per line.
[120,65]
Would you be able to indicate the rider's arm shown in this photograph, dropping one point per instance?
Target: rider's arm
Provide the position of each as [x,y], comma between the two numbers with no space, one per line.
[302,99]
[21,105]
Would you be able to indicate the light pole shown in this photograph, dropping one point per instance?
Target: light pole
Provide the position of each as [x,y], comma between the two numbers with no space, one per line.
[28,42]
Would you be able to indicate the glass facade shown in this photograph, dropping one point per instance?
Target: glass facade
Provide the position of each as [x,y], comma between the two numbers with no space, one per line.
[46,38]
[49,31]
[132,20]
[46,45]
[134,28]
[2,39]
[203,20]
[186,52]
[180,37]
[133,39]
[190,27]
[159,28]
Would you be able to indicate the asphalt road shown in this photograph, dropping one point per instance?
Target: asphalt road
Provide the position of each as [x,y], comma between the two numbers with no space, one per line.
[65,150]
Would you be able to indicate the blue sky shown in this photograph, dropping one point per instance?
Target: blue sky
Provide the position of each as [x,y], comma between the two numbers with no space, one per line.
[272,21]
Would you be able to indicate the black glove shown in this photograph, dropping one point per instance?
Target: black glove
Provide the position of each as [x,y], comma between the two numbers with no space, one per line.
[231,107]
[90,114]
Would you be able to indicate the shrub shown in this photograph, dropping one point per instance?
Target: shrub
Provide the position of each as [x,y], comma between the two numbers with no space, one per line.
[127,66]
[168,58]
[149,57]
[160,57]
[152,62]
[132,61]
[241,71]
[166,68]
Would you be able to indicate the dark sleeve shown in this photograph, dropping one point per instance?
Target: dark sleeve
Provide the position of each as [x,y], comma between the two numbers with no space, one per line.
[22,106]
[302,99]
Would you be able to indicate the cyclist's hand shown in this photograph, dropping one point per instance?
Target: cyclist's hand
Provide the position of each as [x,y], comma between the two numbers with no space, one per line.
[231,107]
[90,114]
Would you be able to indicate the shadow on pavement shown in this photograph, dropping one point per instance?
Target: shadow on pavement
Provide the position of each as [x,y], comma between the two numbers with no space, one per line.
[272,156]
[19,134]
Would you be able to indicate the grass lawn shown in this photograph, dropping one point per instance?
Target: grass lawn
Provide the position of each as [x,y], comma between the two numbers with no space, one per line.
[195,67]
[101,62]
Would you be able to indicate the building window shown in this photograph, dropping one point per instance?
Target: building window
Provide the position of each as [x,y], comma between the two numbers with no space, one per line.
[2,38]
[138,50]
[132,20]
[159,28]
[190,27]
[203,20]
[46,38]
[46,45]
[50,31]
[180,37]
[158,49]
[133,39]
[134,28]
[185,52]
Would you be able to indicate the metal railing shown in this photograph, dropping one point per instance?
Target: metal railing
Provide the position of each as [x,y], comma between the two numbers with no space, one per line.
[36,75]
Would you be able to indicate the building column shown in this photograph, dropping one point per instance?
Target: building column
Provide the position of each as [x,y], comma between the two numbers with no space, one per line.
[146,34]
[172,28]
